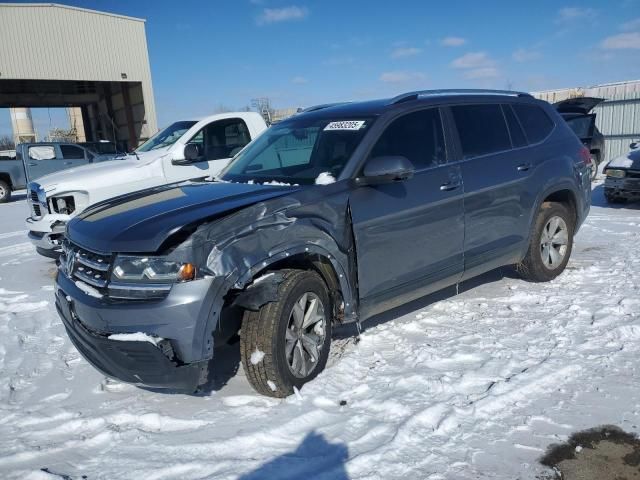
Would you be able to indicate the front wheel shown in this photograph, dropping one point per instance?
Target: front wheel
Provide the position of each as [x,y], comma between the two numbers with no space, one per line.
[5,192]
[550,244]
[286,343]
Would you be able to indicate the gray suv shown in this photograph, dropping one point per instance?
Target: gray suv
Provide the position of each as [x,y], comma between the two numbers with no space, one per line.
[332,216]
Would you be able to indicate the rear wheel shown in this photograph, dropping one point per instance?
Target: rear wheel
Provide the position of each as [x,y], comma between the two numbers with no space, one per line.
[286,343]
[550,244]
[5,192]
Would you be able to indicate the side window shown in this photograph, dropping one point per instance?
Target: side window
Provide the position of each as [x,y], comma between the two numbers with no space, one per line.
[42,152]
[481,128]
[515,130]
[417,136]
[222,139]
[71,152]
[536,123]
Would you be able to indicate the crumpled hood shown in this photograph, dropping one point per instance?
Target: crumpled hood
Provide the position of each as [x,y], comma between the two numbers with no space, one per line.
[630,161]
[142,221]
[99,173]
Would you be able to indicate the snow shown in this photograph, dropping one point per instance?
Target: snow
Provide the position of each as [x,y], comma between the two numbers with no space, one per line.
[135,337]
[325,178]
[256,357]
[262,278]
[88,289]
[467,386]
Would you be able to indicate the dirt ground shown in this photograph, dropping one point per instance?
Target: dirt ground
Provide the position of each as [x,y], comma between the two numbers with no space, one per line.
[602,453]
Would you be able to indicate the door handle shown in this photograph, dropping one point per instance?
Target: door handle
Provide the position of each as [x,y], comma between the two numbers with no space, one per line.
[447,187]
[524,167]
[68,163]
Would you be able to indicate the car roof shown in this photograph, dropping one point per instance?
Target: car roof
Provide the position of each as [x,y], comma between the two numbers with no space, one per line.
[372,108]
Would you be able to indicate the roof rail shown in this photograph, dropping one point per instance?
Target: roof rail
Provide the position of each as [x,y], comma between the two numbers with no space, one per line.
[321,106]
[405,97]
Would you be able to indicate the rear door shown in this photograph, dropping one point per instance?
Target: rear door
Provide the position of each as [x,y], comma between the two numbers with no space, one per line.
[496,167]
[409,234]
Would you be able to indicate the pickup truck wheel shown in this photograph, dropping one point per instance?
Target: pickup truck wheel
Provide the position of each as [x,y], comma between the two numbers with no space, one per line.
[550,244]
[5,192]
[286,343]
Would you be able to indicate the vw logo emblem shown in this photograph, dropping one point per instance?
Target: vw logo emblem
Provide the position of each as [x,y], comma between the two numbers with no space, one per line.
[70,262]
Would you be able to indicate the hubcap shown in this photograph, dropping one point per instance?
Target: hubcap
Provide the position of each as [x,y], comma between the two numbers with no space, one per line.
[305,335]
[553,243]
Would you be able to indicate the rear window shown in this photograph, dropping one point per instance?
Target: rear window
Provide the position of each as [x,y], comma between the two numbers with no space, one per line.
[536,123]
[481,128]
[517,135]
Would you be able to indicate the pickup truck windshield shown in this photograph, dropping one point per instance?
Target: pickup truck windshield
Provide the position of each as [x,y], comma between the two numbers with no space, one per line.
[166,137]
[298,151]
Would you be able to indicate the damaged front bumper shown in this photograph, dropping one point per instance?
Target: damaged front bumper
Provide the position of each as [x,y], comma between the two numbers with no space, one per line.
[177,362]
[46,234]
[628,187]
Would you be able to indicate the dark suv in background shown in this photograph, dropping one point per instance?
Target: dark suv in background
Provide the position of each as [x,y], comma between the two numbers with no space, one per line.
[577,114]
[334,215]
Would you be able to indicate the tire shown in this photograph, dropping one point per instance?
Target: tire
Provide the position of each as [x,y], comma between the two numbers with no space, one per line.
[535,267]
[272,331]
[5,192]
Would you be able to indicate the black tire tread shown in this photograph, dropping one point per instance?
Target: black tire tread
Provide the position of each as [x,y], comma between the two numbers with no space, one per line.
[7,188]
[531,268]
[258,331]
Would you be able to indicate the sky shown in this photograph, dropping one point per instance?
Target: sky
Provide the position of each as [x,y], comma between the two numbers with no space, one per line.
[222,53]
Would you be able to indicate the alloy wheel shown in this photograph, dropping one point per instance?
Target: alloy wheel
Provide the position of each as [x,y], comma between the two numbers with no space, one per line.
[305,334]
[553,242]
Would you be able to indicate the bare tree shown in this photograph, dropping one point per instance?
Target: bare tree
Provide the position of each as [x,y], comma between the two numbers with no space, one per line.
[7,143]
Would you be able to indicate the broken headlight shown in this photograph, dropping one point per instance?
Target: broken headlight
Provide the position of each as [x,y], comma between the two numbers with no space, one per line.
[130,269]
[613,173]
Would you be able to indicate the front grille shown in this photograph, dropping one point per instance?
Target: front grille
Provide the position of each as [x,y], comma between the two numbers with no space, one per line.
[633,173]
[35,206]
[37,201]
[89,267]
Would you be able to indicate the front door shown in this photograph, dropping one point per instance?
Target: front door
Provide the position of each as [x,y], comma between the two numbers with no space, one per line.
[42,160]
[409,234]
[217,143]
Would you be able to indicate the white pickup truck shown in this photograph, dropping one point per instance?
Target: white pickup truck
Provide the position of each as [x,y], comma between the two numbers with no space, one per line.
[185,150]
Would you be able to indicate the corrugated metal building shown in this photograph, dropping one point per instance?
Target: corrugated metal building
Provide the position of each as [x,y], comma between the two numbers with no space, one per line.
[618,117]
[59,56]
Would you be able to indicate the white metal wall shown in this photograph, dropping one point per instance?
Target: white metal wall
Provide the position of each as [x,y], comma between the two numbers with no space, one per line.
[57,42]
[618,117]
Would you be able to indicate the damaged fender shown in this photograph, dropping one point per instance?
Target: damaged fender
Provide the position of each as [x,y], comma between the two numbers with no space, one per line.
[236,248]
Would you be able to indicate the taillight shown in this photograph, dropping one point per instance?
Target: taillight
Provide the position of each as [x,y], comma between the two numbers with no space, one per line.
[585,155]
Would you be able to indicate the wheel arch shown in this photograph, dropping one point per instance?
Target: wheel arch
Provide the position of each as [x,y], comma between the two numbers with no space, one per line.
[310,257]
[5,177]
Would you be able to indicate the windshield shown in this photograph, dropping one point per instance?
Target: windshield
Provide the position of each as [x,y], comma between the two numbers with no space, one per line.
[298,151]
[166,137]
[581,126]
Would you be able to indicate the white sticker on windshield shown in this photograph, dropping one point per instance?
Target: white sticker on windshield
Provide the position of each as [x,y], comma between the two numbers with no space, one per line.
[345,125]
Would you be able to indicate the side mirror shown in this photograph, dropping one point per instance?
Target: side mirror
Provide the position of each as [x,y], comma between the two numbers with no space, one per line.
[192,153]
[387,169]
[634,145]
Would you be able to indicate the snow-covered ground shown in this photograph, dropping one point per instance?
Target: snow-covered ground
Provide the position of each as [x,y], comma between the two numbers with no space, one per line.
[467,386]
